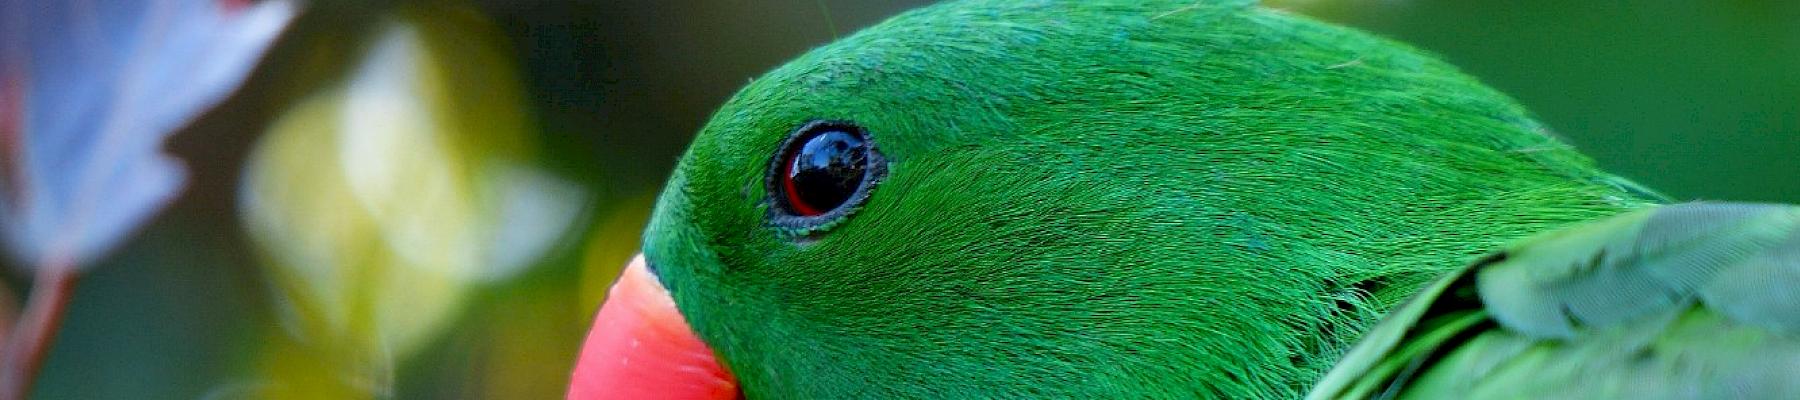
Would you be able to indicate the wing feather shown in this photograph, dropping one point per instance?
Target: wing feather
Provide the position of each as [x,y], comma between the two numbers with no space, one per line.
[1683,301]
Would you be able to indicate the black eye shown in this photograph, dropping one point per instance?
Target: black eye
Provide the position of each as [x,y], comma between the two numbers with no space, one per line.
[822,172]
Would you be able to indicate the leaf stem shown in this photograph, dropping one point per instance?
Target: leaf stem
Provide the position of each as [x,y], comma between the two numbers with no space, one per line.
[30,340]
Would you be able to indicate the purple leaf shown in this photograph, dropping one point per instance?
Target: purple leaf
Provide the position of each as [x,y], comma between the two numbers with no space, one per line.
[89,89]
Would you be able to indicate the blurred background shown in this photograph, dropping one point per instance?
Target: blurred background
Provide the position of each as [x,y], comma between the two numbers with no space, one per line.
[427,200]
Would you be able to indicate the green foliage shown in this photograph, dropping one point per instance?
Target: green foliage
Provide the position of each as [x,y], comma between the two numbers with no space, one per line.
[1102,199]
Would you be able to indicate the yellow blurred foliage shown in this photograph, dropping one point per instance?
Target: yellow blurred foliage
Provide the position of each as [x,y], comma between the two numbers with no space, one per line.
[614,241]
[380,205]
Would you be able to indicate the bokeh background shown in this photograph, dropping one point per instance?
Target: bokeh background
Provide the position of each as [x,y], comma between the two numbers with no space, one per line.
[232,292]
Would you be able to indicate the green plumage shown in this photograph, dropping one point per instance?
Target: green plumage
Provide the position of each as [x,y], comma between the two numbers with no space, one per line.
[1102,199]
[1686,301]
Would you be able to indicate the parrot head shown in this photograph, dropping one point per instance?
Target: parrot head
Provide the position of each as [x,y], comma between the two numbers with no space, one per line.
[1097,199]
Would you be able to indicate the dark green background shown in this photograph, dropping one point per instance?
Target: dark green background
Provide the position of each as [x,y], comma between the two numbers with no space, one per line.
[1698,99]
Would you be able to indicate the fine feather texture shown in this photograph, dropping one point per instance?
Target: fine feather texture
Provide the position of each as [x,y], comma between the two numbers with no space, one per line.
[1684,301]
[1102,199]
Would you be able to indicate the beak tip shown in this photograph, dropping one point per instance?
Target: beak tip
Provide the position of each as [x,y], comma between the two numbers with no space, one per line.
[640,347]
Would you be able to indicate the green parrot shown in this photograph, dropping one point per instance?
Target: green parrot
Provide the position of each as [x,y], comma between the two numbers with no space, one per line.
[1072,199]
[1685,301]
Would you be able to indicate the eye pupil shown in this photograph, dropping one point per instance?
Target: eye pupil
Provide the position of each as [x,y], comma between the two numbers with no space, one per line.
[824,171]
[821,173]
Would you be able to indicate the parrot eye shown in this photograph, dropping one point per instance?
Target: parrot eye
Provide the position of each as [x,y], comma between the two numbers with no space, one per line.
[824,170]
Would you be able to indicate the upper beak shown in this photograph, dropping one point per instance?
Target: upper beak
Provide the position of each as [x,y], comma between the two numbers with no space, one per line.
[641,348]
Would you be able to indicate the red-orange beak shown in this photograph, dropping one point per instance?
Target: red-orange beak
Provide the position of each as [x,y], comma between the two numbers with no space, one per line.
[640,348]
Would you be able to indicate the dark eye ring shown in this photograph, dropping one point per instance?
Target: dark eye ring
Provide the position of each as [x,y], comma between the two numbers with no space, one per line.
[822,173]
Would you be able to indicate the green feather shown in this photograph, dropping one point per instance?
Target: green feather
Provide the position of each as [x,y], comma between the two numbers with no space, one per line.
[1684,301]
[1102,199]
